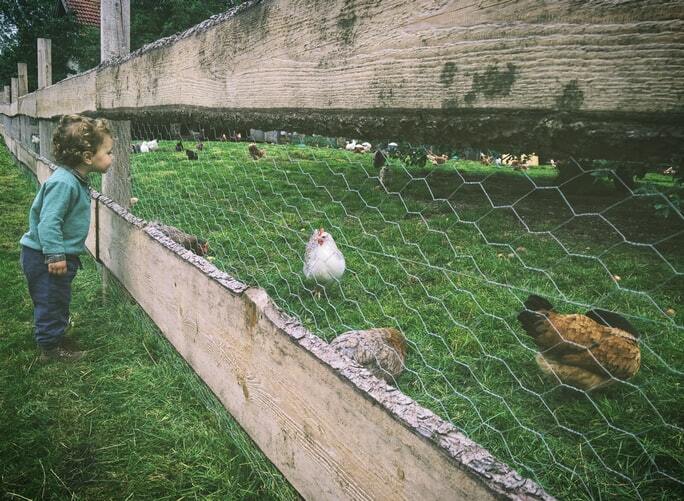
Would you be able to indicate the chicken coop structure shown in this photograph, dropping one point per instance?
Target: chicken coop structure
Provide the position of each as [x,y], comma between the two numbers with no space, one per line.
[594,79]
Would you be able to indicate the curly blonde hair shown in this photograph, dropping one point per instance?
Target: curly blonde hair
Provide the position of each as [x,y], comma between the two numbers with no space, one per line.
[76,135]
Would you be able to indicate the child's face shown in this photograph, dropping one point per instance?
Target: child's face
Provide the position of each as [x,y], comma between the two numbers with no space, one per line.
[102,159]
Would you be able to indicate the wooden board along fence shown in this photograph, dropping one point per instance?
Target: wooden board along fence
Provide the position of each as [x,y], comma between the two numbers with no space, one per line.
[333,429]
[598,79]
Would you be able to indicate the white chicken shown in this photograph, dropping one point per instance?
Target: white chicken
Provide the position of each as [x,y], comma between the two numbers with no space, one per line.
[323,261]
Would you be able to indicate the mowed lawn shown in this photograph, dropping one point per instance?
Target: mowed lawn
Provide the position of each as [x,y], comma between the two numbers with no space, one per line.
[447,254]
[130,421]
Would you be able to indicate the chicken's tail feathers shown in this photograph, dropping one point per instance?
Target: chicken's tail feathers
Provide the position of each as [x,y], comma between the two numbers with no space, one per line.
[397,340]
[537,303]
[612,319]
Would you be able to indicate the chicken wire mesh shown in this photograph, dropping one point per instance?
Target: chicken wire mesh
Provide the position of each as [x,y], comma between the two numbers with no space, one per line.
[446,249]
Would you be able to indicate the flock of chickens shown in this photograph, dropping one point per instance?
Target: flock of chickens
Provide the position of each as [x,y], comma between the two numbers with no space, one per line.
[586,351]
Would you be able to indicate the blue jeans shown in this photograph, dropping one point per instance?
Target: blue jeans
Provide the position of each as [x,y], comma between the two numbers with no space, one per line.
[51,295]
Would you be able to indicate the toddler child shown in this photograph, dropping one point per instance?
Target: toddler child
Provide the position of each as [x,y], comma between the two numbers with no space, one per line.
[59,220]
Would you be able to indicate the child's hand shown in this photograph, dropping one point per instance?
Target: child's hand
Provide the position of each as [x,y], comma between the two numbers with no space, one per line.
[57,268]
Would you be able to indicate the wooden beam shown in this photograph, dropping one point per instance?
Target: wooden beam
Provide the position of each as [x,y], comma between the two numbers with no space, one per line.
[115,41]
[44,62]
[22,79]
[600,79]
[75,94]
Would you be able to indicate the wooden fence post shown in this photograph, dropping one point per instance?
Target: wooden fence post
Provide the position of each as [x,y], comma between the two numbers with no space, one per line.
[115,22]
[115,28]
[22,85]
[45,130]
[15,89]
[44,62]
[116,183]
[115,40]
[45,127]
[25,132]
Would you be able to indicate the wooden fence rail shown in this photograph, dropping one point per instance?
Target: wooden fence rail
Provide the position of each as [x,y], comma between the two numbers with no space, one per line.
[597,79]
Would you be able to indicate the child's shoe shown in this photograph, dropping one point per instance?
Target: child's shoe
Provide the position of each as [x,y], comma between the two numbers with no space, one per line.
[69,343]
[60,353]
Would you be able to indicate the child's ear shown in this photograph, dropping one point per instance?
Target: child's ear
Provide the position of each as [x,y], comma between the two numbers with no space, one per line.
[88,157]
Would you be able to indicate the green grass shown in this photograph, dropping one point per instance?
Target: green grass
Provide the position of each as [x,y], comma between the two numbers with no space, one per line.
[444,255]
[131,421]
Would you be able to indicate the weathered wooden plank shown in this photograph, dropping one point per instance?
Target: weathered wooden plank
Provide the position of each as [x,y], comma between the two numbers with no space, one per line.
[27,105]
[115,28]
[22,79]
[44,62]
[115,41]
[597,79]
[427,55]
[545,75]
[25,156]
[72,95]
[14,84]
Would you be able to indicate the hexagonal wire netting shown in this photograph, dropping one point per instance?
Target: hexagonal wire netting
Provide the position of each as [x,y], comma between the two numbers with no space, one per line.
[446,245]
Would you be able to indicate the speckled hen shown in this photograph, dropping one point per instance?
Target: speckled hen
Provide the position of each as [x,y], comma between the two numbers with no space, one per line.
[382,351]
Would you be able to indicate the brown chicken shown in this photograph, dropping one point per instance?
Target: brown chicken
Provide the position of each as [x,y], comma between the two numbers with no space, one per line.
[379,159]
[256,152]
[585,351]
[197,245]
[382,351]
[437,159]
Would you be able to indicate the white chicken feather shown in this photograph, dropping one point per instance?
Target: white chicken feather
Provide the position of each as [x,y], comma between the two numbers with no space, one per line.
[323,261]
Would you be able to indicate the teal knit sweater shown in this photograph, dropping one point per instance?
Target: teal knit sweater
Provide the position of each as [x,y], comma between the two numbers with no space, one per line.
[60,216]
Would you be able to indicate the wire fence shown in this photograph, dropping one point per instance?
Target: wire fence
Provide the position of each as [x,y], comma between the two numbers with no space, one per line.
[446,245]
